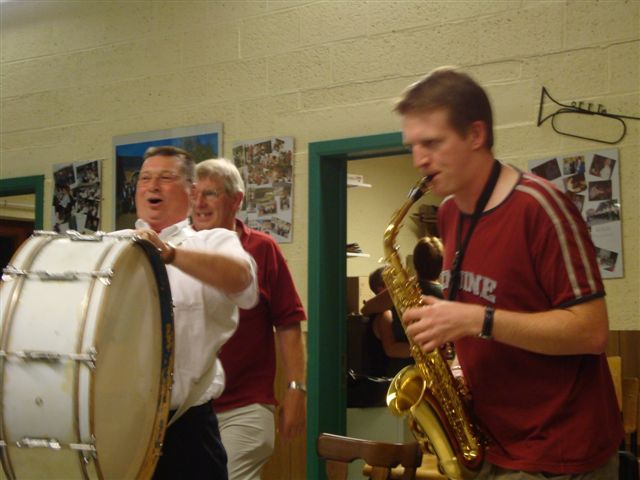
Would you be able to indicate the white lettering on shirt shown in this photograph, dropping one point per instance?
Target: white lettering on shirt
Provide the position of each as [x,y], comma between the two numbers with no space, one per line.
[478,285]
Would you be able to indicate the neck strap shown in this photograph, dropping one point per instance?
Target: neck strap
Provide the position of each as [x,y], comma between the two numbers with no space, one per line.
[461,247]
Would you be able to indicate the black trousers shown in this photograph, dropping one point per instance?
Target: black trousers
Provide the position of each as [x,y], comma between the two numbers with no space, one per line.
[192,449]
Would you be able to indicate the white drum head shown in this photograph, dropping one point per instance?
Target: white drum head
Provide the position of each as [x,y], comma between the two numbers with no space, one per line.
[126,382]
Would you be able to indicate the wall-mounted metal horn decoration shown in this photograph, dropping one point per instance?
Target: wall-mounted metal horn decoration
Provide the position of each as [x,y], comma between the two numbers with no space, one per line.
[606,121]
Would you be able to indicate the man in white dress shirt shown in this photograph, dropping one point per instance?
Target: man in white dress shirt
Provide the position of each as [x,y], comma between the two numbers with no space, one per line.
[210,276]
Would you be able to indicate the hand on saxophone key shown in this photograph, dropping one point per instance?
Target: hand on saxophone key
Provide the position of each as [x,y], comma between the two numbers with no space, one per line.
[440,321]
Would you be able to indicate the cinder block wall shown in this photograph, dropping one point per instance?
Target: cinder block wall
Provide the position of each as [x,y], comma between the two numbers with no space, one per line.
[75,74]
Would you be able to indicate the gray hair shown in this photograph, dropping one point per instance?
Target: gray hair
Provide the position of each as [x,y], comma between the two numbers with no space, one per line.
[223,169]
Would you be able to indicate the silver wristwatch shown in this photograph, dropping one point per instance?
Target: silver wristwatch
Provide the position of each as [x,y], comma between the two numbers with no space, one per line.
[293,385]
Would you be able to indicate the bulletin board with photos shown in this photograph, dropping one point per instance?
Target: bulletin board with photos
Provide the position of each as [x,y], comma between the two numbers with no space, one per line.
[592,182]
[77,195]
[266,166]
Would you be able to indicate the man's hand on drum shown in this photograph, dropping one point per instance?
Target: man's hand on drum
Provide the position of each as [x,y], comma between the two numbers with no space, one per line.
[438,321]
[166,250]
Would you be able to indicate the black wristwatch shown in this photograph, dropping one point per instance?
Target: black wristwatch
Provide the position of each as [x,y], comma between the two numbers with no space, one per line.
[487,324]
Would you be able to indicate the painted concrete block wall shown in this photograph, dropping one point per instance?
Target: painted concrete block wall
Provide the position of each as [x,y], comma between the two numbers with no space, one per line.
[75,74]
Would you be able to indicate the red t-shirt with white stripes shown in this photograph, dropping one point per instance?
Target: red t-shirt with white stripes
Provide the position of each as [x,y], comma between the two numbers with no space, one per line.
[533,253]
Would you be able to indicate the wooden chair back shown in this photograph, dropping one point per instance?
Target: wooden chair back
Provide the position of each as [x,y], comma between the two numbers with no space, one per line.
[339,451]
[615,367]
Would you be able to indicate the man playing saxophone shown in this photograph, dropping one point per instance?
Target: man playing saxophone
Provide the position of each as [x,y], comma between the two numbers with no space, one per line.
[524,301]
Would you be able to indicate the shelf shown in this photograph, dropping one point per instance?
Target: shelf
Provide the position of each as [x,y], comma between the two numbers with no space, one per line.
[358,184]
[365,255]
[354,180]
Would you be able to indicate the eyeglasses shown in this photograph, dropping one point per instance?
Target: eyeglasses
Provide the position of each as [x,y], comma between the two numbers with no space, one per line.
[166,177]
[208,194]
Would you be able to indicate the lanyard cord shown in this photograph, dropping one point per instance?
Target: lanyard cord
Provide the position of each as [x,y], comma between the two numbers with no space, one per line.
[454,284]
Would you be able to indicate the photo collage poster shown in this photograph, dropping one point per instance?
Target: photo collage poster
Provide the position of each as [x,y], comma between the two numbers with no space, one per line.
[77,194]
[266,167]
[592,182]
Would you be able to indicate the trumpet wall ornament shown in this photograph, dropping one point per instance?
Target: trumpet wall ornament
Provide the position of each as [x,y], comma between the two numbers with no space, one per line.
[584,120]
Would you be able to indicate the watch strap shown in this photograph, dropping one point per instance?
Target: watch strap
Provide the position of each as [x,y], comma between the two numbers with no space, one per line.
[487,324]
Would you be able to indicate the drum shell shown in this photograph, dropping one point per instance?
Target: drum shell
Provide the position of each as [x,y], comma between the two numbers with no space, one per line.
[118,404]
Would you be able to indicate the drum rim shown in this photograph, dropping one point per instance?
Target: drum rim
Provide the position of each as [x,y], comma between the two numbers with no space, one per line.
[168,352]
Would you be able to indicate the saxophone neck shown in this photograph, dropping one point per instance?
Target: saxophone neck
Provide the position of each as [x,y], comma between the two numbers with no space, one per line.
[391,232]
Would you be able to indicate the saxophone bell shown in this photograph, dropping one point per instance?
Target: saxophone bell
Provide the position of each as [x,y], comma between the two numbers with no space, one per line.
[406,390]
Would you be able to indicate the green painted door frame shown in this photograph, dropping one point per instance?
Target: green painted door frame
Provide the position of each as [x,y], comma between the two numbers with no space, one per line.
[326,344]
[25,186]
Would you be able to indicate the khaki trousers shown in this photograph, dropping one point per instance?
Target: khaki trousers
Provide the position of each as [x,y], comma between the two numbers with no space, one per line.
[248,435]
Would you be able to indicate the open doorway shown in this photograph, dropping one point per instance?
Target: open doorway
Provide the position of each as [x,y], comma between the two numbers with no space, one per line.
[327,303]
[21,212]
[17,222]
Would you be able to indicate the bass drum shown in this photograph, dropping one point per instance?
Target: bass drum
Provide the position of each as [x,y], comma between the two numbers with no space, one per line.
[86,358]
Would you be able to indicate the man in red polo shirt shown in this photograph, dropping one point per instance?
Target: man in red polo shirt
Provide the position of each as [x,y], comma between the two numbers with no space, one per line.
[246,409]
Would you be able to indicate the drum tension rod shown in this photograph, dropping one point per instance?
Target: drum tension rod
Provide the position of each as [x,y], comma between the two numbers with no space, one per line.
[103,275]
[72,235]
[44,275]
[53,444]
[31,355]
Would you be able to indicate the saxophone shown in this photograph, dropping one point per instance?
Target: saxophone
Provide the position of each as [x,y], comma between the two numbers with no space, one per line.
[427,392]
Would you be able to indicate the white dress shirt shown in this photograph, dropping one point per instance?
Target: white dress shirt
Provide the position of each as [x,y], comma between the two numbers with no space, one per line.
[204,317]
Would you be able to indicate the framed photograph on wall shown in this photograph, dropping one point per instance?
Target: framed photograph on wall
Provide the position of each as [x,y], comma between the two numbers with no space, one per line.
[201,141]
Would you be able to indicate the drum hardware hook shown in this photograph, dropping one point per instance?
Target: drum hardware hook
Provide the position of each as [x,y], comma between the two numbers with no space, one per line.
[105,279]
[89,456]
[12,271]
[90,359]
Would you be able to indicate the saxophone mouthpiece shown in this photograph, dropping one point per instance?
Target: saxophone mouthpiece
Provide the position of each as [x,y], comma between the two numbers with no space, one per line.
[420,189]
